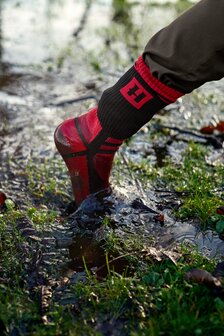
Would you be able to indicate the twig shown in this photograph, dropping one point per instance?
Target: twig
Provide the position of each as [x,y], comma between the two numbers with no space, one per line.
[74,100]
[83,19]
[215,141]
[136,204]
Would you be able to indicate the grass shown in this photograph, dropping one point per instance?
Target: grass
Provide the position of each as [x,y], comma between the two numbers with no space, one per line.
[156,301]
[47,178]
[42,215]
[151,297]
[198,182]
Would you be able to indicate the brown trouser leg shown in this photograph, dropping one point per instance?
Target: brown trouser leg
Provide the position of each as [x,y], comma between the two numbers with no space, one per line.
[190,51]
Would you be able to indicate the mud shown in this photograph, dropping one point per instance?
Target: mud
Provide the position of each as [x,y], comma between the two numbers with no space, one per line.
[53,53]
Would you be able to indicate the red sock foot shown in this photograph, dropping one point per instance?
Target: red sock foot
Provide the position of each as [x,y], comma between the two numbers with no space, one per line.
[88,153]
[88,143]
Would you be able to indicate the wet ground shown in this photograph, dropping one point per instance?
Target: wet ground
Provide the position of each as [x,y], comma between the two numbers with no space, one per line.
[56,59]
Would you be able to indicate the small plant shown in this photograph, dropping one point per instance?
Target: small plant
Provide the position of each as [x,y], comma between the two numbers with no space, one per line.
[198,181]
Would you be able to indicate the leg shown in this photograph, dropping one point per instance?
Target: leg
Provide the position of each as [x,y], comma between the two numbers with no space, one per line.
[176,61]
[190,51]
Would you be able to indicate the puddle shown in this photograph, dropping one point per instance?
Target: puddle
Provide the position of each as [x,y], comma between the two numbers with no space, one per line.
[87,252]
[130,218]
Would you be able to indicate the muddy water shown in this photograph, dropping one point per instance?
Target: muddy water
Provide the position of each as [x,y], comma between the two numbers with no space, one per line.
[50,54]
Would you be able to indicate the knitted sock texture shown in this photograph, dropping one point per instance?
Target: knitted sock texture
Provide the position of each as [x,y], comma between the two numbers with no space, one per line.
[128,105]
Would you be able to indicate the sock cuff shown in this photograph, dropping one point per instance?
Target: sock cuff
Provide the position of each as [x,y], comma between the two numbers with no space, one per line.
[162,89]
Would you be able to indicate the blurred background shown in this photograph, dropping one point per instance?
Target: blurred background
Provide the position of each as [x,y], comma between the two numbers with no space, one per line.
[55,51]
[48,31]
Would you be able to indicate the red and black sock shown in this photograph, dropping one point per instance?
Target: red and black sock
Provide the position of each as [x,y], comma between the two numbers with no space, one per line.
[133,100]
[88,143]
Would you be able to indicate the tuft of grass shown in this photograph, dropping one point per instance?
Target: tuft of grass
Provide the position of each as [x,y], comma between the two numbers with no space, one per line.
[47,180]
[199,181]
[10,246]
[154,301]
[42,216]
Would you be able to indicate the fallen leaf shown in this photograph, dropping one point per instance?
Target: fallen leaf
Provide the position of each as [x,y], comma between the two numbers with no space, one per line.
[210,128]
[220,210]
[159,255]
[160,218]
[173,256]
[207,129]
[202,277]
[2,198]
[220,126]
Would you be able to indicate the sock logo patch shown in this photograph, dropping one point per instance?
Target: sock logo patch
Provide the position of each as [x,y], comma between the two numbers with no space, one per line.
[135,94]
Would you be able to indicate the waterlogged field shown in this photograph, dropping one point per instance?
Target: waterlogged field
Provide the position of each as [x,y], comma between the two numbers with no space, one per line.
[145,260]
